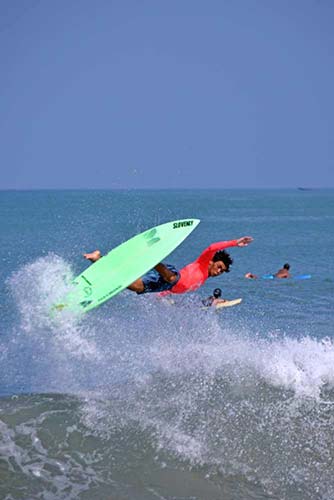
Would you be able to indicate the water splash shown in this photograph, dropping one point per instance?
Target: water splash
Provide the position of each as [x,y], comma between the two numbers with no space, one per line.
[179,382]
[36,288]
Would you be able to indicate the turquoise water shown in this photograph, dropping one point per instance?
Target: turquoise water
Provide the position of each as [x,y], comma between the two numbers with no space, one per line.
[142,400]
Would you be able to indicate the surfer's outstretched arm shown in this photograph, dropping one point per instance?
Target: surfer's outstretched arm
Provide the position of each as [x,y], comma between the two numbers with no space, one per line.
[207,255]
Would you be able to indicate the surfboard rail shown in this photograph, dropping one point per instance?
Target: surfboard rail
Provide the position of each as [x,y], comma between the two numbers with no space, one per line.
[228,303]
[297,277]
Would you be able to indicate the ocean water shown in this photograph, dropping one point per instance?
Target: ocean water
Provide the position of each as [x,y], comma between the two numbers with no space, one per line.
[142,400]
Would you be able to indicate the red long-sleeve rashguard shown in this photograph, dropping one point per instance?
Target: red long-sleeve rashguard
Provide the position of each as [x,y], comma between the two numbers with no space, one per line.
[195,274]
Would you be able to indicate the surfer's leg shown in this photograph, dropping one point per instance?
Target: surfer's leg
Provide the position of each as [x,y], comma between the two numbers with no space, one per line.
[137,286]
[93,256]
[168,275]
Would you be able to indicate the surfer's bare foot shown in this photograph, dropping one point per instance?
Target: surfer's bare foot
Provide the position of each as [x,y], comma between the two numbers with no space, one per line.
[93,256]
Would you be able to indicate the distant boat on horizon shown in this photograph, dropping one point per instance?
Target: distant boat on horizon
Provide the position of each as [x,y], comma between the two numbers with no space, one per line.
[305,189]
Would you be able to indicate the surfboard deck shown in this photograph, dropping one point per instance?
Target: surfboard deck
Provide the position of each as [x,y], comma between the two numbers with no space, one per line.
[228,303]
[124,264]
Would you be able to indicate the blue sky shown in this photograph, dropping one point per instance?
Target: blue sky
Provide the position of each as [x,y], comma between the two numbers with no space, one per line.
[166,94]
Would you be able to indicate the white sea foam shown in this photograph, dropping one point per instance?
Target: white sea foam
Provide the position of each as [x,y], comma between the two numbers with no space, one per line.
[221,397]
[183,343]
[303,366]
[36,287]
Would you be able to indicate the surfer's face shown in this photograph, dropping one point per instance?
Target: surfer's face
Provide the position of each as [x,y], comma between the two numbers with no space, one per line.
[216,268]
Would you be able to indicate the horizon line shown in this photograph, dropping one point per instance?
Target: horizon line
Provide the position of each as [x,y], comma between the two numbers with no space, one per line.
[296,188]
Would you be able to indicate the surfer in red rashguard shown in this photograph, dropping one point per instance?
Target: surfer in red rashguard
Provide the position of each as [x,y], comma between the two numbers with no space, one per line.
[166,279]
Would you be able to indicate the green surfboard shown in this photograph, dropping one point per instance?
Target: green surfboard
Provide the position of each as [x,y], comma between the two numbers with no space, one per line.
[124,264]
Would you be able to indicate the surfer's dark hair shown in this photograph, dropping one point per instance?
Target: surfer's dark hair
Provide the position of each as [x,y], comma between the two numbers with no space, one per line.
[224,257]
[286,266]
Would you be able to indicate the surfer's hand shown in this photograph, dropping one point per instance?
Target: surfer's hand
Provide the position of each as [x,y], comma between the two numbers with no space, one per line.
[244,241]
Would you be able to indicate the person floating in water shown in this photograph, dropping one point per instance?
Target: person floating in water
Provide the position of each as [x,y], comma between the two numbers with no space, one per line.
[284,272]
[166,279]
[281,273]
[214,299]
